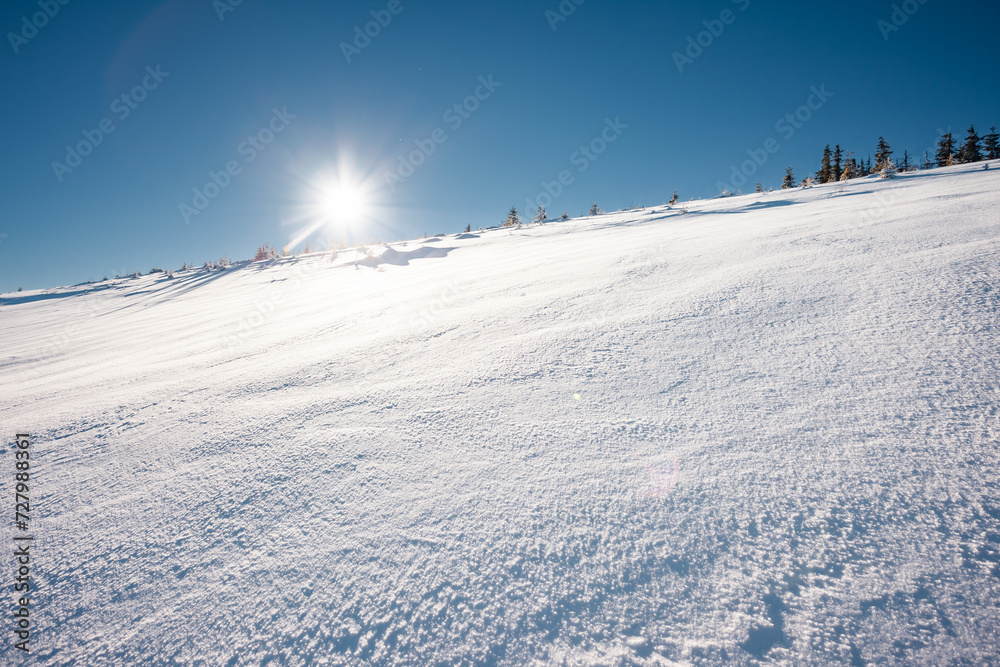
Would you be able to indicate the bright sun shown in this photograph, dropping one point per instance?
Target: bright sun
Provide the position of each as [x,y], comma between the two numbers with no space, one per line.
[337,201]
[342,202]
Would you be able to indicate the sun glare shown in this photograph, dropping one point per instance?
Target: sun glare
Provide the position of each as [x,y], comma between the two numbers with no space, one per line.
[342,203]
[337,204]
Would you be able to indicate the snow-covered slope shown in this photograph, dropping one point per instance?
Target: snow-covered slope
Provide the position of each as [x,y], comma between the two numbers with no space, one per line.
[755,428]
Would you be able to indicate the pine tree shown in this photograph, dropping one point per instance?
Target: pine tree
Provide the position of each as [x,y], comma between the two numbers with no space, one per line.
[888,169]
[970,151]
[837,163]
[906,161]
[945,150]
[540,215]
[850,168]
[825,173]
[565,216]
[927,162]
[595,209]
[789,181]
[882,154]
[991,143]
[759,187]
[846,174]
[513,218]
[468,229]
[673,199]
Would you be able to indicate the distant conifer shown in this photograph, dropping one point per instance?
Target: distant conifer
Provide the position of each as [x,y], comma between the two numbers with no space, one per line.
[882,154]
[850,168]
[945,150]
[991,143]
[513,218]
[789,180]
[970,150]
[825,173]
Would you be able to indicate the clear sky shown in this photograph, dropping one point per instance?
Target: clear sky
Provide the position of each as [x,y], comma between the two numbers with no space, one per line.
[114,113]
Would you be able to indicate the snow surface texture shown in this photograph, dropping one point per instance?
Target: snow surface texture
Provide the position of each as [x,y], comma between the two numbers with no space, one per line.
[754,429]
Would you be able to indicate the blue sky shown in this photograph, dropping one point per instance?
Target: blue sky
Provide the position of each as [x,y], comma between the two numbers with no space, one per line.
[210,85]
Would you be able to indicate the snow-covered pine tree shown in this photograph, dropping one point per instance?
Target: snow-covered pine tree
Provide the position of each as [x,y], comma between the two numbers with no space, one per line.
[970,150]
[888,169]
[540,215]
[265,252]
[837,163]
[882,154]
[513,218]
[945,150]
[808,182]
[991,144]
[850,168]
[789,180]
[759,187]
[564,216]
[595,209]
[674,198]
[927,162]
[825,173]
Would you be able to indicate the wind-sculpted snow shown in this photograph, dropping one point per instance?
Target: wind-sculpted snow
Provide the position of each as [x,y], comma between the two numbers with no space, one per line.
[755,429]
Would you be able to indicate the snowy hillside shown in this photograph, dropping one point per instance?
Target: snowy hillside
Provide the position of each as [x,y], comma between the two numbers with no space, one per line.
[759,428]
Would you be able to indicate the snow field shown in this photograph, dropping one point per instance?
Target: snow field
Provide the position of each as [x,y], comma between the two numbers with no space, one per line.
[753,429]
